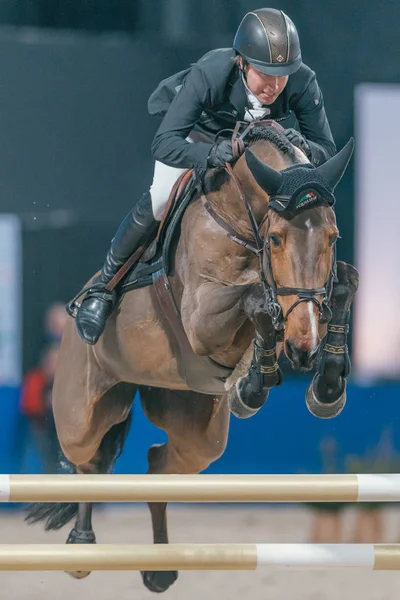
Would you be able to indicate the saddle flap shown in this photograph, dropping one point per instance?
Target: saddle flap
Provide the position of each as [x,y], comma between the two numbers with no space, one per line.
[157,254]
[175,195]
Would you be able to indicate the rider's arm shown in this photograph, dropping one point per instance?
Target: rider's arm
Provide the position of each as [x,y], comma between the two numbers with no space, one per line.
[313,122]
[169,145]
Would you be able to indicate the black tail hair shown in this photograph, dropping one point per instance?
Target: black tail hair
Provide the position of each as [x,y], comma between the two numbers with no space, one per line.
[57,514]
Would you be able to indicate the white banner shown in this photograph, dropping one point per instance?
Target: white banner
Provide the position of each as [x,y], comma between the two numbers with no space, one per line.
[10,300]
[377,230]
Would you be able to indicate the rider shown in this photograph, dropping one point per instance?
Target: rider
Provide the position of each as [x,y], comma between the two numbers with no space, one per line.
[261,76]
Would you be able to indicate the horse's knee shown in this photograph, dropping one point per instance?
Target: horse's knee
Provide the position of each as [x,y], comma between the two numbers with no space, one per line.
[347,273]
[347,281]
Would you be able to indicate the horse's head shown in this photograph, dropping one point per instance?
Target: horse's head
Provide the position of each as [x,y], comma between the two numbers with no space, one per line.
[299,248]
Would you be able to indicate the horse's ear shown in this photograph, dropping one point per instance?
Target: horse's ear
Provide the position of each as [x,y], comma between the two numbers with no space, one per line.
[266,177]
[333,169]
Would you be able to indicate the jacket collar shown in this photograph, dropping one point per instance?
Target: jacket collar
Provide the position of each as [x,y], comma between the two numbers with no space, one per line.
[237,96]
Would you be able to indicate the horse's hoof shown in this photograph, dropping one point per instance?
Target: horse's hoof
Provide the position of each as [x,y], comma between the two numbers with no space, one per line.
[80,537]
[159,581]
[324,410]
[237,406]
[78,574]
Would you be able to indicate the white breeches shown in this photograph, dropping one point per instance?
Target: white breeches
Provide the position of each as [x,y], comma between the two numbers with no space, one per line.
[163,181]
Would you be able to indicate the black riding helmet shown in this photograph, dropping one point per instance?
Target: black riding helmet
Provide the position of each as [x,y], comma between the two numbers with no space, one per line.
[268,40]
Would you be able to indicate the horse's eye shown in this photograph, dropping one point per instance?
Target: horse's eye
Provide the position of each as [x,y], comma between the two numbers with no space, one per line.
[275,239]
[333,239]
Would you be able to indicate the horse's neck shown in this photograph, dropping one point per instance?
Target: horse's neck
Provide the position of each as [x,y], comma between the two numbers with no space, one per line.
[225,198]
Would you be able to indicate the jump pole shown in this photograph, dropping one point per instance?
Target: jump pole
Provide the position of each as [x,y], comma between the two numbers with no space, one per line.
[200,488]
[160,557]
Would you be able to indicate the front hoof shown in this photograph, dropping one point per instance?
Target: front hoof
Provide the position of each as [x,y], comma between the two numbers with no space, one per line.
[324,410]
[159,581]
[236,404]
[80,537]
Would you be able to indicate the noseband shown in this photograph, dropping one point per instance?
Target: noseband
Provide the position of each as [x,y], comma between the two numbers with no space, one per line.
[260,243]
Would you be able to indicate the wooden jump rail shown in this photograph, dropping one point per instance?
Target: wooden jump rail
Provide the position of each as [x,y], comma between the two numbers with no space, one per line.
[167,557]
[200,488]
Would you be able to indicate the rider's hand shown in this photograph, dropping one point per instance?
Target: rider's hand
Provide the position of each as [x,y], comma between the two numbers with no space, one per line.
[220,154]
[298,140]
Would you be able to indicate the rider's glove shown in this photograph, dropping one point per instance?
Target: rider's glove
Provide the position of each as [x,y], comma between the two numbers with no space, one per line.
[220,154]
[298,140]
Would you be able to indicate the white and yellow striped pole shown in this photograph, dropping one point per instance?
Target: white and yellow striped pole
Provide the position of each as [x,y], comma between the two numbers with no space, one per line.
[160,557]
[200,488]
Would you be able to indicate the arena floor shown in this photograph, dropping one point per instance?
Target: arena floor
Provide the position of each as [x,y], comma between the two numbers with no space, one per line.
[248,524]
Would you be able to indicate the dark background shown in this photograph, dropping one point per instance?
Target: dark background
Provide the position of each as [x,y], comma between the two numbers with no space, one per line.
[75,135]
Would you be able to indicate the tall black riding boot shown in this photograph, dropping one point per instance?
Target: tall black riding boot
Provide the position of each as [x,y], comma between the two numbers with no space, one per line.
[135,230]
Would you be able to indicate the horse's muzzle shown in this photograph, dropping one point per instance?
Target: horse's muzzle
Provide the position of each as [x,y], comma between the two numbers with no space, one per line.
[302,360]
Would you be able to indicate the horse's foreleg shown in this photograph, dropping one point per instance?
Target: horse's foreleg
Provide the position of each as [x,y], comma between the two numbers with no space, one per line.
[250,392]
[326,394]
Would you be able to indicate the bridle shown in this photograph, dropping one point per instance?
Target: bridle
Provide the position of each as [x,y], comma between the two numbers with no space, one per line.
[303,294]
[260,246]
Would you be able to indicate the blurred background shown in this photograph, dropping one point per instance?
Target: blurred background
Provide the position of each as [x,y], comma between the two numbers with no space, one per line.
[75,136]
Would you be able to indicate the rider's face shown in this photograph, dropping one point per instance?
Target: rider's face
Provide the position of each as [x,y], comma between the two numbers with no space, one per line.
[266,88]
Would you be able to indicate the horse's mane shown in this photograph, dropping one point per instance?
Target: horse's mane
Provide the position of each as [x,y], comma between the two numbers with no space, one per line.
[262,131]
[259,131]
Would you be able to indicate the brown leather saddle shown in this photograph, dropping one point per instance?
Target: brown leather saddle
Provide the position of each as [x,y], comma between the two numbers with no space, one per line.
[148,259]
[145,253]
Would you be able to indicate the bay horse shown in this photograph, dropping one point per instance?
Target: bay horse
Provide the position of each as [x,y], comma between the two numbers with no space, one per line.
[252,273]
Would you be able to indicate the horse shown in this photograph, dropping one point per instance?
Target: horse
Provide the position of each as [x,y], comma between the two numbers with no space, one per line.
[252,272]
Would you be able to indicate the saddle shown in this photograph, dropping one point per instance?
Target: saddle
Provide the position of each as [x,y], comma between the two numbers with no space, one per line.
[138,271]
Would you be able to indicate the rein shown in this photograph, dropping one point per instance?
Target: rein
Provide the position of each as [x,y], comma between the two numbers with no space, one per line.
[260,243]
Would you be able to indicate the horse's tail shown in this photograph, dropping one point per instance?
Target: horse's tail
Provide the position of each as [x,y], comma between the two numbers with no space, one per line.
[57,514]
